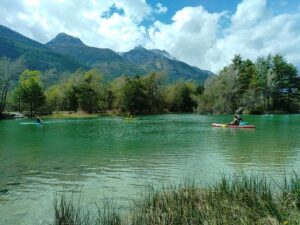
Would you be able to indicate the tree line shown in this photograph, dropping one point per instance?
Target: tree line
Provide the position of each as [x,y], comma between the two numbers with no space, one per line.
[89,92]
[267,85]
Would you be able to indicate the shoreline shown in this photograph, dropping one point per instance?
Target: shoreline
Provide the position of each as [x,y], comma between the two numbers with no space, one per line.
[82,114]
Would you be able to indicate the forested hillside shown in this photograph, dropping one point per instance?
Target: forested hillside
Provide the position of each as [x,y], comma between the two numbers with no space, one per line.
[65,54]
[35,55]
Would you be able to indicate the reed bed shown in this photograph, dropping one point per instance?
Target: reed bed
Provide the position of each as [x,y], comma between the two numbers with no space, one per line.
[235,200]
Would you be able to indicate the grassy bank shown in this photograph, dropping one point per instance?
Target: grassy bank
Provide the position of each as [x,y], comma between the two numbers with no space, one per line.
[238,200]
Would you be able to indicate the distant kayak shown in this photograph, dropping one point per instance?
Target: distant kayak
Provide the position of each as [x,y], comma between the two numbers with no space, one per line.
[32,123]
[224,125]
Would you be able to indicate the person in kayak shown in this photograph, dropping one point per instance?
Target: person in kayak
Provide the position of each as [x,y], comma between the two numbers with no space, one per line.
[236,120]
[38,119]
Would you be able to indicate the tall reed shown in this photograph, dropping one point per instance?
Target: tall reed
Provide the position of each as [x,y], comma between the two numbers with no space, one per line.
[236,200]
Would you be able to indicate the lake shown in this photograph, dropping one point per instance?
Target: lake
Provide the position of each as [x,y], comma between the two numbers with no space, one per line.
[119,158]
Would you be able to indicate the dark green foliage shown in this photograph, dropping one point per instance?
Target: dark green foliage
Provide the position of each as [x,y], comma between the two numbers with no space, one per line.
[134,97]
[31,90]
[142,95]
[81,91]
[182,99]
[285,84]
[138,95]
[88,91]
[271,84]
[154,92]
[72,99]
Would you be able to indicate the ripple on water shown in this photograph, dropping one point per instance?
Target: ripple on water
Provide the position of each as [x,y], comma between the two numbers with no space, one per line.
[110,156]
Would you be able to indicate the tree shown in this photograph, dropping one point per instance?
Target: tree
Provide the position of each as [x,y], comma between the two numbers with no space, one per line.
[285,84]
[134,97]
[115,93]
[9,71]
[70,91]
[54,98]
[31,89]
[263,71]
[181,96]
[89,91]
[269,84]
[237,62]
[221,93]
[153,92]
[245,75]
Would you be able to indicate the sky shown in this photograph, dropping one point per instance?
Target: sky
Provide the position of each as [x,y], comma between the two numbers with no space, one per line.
[202,33]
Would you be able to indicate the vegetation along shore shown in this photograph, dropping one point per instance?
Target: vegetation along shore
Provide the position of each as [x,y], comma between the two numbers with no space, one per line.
[240,200]
[270,84]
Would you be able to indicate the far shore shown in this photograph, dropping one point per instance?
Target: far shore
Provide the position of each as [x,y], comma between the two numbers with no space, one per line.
[82,114]
[70,115]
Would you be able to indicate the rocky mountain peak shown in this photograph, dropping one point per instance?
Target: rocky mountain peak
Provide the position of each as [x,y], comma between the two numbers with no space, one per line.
[64,39]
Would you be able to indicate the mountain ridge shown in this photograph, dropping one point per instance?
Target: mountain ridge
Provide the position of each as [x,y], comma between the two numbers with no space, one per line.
[68,53]
[37,56]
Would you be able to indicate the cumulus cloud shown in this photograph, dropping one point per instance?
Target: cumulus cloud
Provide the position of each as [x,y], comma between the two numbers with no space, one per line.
[192,32]
[194,35]
[160,8]
[255,32]
[42,20]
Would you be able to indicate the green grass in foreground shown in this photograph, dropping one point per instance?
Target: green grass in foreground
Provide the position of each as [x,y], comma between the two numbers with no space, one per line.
[238,200]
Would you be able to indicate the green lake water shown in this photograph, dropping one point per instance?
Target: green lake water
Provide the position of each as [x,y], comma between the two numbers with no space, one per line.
[118,158]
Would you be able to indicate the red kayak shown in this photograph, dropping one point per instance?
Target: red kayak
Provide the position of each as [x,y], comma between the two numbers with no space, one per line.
[232,126]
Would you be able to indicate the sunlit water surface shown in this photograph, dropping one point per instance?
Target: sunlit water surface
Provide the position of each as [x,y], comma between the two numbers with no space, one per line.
[118,158]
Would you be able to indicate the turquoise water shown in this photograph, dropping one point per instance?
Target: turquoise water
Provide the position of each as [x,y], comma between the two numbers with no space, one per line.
[119,158]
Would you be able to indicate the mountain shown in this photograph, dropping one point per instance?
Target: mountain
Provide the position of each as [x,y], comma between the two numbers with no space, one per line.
[163,62]
[108,62]
[66,53]
[63,39]
[36,55]
[74,47]
[136,61]
[162,53]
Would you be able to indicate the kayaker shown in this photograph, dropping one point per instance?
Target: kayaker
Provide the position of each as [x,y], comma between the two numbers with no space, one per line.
[38,119]
[236,120]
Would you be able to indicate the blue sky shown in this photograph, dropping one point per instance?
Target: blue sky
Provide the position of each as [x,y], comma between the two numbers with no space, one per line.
[203,33]
[277,6]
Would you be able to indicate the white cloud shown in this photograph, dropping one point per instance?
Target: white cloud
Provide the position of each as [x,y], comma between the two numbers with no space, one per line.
[120,32]
[43,20]
[160,8]
[256,34]
[194,35]
[249,13]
